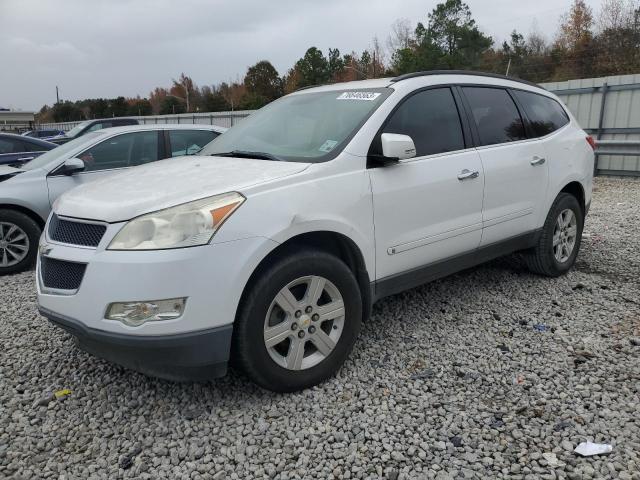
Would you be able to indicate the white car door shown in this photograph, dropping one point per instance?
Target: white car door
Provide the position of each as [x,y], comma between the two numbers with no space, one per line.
[107,157]
[427,208]
[515,167]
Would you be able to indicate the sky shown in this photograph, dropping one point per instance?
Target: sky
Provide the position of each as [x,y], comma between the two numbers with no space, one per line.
[107,48]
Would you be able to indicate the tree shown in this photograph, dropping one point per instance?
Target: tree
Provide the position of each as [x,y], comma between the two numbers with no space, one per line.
[263,83]
[617,44]
[313,68]
[156,98]
[66,111]
[171,105]
[401,35]
[213,100]
[139,107]
[453,29]
[118,107]
[572,48]
[575,29]
[184,87]
[450,39]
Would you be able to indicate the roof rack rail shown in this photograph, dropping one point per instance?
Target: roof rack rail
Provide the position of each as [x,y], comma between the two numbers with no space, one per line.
[461,72]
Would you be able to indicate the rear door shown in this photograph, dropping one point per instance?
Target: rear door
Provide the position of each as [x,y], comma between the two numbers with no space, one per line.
[515,168]
[427,208]
[107,157]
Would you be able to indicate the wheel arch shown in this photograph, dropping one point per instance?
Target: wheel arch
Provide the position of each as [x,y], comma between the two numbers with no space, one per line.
[327,241]
[576,189]
[26,211]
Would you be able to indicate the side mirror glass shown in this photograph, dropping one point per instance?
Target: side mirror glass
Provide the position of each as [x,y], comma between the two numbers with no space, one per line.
[396,146]
[72,165]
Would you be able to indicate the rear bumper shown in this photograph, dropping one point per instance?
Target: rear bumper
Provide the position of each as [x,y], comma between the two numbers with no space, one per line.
[199,355]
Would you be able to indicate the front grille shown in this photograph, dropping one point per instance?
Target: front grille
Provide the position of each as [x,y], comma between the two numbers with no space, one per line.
[75,233]
[60,274]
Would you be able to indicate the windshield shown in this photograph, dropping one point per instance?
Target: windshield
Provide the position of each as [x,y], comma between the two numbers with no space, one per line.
[58,152]
[76,130]
[307,127]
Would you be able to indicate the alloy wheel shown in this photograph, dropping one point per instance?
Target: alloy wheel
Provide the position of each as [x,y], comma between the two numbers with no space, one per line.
[14,244]
[565,234]
[304,323]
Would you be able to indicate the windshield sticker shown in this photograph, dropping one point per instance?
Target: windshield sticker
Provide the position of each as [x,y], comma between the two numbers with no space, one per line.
[366,96]
[328,146]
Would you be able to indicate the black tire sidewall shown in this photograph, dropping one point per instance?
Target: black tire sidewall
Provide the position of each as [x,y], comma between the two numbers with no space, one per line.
[33,231]
[254,357]
[564,202]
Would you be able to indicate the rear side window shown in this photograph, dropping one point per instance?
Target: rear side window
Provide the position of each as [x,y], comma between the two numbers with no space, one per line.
[495,114]
[189,142]
[431,119]
[544,113]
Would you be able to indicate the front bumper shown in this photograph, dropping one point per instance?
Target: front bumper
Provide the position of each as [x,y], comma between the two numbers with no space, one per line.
[201,355]
[194,346]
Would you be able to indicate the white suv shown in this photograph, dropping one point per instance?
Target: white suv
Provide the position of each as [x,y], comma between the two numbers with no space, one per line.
[269,248]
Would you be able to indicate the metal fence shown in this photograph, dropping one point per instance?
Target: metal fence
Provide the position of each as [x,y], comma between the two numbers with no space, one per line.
[221,119]
[609,109]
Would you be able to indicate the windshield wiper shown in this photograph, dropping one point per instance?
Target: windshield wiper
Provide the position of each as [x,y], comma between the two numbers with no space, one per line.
[248,154]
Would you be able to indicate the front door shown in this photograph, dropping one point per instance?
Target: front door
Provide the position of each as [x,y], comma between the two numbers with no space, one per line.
[427,208]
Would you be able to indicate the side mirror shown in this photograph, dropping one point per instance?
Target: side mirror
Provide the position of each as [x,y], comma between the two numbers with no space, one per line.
[398,147]
[72,165]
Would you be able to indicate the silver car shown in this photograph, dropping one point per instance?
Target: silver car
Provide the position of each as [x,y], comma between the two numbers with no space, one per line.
[28,191]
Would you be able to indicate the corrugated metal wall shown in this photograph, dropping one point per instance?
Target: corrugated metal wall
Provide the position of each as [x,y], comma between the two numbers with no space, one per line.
[620,116]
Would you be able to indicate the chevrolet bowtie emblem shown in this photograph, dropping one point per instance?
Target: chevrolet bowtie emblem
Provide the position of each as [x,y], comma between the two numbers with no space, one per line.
[44,249]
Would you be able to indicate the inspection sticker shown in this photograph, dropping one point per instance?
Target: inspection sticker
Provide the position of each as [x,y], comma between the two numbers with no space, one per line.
[366,96]
[328,146]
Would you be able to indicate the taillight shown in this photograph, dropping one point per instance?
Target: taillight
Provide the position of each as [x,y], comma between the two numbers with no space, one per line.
[591,141]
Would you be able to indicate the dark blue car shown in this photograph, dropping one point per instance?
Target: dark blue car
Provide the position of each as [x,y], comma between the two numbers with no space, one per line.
[17,149]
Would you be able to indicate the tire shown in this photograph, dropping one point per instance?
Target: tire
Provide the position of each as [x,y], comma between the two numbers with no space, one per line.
[14,226]
[326,343]
[542,259]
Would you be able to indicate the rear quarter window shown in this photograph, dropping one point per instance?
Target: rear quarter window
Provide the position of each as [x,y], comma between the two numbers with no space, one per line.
[545,114]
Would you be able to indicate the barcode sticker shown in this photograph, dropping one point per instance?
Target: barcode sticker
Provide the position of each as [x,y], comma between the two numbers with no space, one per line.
[366,96]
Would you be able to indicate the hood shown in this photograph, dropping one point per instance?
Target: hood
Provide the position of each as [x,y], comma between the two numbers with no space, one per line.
[167,183]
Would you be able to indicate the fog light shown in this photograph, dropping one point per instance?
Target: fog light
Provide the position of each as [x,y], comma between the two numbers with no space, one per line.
[135,314]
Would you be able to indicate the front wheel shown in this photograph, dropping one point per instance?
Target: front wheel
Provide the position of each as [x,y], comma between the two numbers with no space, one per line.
[298,322]
[560,238]
[19,236]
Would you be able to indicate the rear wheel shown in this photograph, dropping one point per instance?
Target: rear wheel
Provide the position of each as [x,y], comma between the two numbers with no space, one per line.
[559,241]
[19,236]
[298,322]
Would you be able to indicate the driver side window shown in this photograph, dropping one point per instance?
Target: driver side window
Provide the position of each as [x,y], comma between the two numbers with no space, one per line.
[122,151]
[431,119]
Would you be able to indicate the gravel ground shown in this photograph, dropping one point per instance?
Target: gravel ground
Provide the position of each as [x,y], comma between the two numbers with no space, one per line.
[491,373]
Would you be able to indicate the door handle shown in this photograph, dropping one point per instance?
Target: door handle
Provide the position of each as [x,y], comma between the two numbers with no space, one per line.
[24,159]
[468,174]
[537,160]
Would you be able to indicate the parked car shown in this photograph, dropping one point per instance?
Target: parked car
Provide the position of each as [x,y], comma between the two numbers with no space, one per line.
[27,193]
[272,245]
[93,125]
[16,149]
[44,133]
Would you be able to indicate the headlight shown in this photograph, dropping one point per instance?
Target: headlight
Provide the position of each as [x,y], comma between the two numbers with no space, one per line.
[186,225]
